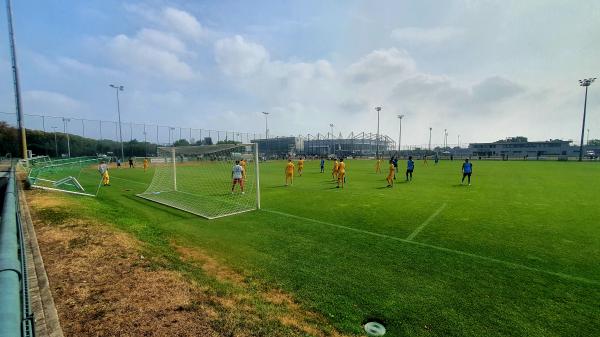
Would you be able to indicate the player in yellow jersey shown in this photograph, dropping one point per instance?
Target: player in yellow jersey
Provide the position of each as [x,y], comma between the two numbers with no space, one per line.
[145,164]
[289,173]
[391,174]
[341,176]
[334,172]
[300,166]
[378,166]
[243,164]
[103,169]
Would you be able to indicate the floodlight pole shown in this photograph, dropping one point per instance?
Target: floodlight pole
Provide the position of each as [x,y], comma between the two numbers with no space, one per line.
[400,134]
[430,139]
[587,141]
[117,89]
[55,142]
[332,137]
[65,121]
[17,87]
[266,124]
[584,83]
[378,109]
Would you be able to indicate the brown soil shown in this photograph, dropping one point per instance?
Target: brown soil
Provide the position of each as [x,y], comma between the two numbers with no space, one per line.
[103,286]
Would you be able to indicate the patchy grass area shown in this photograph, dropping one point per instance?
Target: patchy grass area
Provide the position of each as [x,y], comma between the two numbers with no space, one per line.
[515,254]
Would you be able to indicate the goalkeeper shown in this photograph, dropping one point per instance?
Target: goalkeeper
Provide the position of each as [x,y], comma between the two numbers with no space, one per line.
[237,173]
[243,164]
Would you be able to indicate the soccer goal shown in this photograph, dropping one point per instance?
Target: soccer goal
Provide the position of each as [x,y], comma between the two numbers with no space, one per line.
[198,179]
[74,175]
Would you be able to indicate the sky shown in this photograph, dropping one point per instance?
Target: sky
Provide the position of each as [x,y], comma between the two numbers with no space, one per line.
[484,70]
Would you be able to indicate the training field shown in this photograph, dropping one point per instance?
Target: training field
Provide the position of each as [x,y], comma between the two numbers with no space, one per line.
[515,254]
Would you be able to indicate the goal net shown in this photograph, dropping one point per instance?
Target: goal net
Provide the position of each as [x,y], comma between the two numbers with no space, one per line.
[73,175]
[199,179]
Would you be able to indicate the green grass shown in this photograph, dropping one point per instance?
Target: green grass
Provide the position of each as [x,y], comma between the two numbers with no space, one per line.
[515,254]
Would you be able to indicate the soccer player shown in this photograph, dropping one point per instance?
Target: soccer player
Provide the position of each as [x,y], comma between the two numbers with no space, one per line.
[131,162]
[391,174]
[425,160]
[243,164]
[436,158]
[410,167]
[300,166]
[395,162]
[322,165]
[378,166]
[334,172]
[289,173]
[467,169]
[145,164]
[103,169]
[237,173]
[341,176]
[118,162]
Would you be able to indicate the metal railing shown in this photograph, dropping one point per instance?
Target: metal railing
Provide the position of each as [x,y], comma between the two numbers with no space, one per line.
[16,318]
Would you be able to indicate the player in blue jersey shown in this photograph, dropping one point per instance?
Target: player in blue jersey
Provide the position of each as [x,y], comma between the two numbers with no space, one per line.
[467,170]
[322,165]
[410,167]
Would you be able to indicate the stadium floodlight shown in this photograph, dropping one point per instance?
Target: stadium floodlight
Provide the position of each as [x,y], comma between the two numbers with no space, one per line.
[266,124]
[378,109]
[198,179]
[117,89]
[65,121]
[55,142]
[430,138]
[400,133]
[584,83]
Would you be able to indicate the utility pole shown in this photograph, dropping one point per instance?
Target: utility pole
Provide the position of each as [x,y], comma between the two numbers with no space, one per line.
[378,109]
[17,87]
[584,83]
[117,89]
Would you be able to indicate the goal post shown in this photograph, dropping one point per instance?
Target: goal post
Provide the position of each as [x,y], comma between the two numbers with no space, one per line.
[199,179]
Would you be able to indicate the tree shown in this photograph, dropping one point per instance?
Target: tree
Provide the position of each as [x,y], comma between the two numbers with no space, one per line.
[594,142]
[181,142]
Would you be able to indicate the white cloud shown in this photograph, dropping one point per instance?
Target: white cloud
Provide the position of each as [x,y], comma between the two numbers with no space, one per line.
[238,57]
[425,35]
[161,40]
[183,23]
[145,57]
[50,103]
[381,65]
[84,68]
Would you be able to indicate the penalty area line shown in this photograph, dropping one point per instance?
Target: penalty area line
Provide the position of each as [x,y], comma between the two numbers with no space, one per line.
[443,249]
[426,222]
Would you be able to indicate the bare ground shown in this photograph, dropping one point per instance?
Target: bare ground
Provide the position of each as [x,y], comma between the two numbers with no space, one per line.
[103,286]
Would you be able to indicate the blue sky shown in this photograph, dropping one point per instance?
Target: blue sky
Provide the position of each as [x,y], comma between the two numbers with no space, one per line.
[483,69]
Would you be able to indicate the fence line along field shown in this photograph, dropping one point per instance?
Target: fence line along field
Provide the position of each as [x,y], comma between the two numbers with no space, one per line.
[514,254]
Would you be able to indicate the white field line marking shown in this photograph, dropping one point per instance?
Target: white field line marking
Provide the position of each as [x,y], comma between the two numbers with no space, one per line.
[426,222]
[443,249]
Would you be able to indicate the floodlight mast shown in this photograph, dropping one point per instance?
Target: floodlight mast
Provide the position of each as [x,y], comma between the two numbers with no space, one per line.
[430,138]
[266,124]
[584,83]
[117,89]
[400,134]
[378,109]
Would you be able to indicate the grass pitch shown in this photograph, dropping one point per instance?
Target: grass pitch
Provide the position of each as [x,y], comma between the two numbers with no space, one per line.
[515,254]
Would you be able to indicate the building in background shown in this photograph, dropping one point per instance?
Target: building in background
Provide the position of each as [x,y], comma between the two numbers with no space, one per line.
[520,147]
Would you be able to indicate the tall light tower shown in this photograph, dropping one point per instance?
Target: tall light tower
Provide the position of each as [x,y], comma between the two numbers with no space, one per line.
[587,141]
[378,109]
[458,140]
[117,89]
[445,138]
[65,121]
[332,137]
[584,83]
[266,124]
[400,133]
[55,142]
[429,138]
[17,87]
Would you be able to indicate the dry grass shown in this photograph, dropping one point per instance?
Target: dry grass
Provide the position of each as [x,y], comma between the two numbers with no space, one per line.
[103,286]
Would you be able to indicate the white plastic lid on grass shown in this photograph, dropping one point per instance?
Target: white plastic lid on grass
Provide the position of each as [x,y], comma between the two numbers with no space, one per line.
[374,329]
